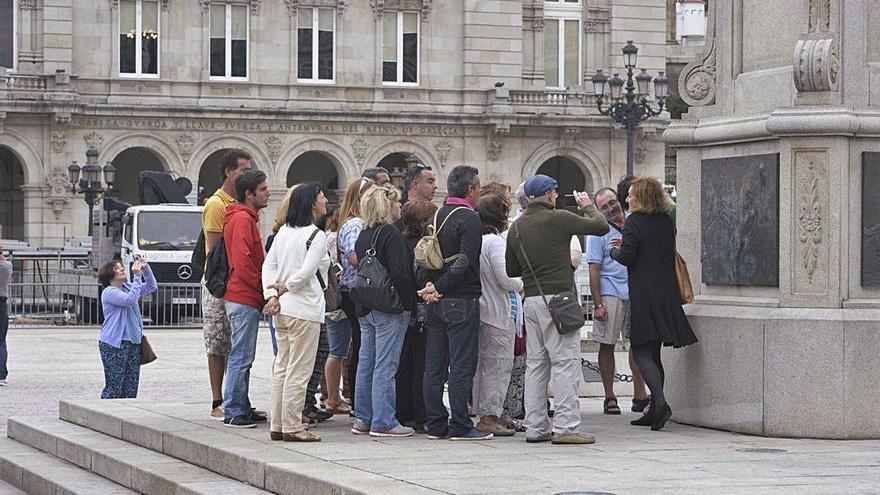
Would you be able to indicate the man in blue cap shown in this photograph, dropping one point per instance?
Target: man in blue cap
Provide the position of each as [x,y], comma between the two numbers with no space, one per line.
[544,233]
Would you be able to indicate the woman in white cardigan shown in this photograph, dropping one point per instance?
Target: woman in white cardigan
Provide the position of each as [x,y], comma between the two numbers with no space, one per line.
[296,300]
[498,315]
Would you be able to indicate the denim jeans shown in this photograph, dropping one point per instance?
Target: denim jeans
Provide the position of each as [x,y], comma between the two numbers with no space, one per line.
[245,321]
[4,327]
[381,339]
[272,335]
[453,337]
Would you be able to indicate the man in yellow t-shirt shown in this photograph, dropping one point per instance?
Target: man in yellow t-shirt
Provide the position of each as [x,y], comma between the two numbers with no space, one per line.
[215,324]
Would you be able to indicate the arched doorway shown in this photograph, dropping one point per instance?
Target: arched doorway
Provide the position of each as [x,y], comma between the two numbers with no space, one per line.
[11,196]
[570,177]
[210,175]
[397,164]
[129,164]
[315,166]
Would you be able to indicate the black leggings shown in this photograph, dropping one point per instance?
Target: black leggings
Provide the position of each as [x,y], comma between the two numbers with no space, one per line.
[647,357]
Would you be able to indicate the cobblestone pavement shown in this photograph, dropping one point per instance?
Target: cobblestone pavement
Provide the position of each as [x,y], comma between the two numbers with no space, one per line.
[48,365]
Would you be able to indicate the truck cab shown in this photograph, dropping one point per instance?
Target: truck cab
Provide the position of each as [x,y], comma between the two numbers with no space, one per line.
[165,235]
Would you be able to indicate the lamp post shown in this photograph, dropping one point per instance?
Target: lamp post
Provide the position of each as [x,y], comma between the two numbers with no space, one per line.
[90,182]
[630,109]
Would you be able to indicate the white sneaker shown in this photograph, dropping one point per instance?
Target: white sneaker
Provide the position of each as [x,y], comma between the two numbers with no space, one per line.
[4,382]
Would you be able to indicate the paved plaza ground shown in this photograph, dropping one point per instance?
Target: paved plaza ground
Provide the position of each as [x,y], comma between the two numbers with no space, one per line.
[48,365]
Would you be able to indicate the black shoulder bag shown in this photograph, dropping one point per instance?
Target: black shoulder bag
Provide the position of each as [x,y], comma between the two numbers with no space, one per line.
[565,310]
[373,287]
[332,293]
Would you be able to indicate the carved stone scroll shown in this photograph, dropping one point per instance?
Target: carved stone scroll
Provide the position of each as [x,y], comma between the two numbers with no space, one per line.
[816,65]
[697,83]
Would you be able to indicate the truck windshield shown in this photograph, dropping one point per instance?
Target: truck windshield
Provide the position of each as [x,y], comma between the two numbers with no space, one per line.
[168,230]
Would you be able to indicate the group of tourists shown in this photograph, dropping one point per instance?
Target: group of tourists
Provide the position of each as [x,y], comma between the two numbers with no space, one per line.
[417,301]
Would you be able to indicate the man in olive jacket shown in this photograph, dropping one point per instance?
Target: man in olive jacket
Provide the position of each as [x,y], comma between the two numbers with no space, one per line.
[545,234]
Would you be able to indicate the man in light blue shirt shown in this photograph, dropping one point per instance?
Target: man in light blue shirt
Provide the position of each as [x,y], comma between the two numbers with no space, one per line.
[610,291]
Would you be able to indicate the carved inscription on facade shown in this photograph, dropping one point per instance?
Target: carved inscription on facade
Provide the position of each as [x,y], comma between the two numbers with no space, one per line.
[281,127]
[871,219]
[740,220]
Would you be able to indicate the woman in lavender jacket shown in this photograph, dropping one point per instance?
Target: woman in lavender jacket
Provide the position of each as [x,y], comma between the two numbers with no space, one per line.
[120,337]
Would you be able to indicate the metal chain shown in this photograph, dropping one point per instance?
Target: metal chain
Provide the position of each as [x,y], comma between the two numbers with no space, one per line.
[595,367]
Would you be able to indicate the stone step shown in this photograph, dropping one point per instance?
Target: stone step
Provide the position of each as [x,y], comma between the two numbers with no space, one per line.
[7,489]
[37,472]
[185,433]
[137,468]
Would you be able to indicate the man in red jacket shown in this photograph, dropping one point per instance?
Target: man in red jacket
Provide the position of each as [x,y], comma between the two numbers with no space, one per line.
[243,298]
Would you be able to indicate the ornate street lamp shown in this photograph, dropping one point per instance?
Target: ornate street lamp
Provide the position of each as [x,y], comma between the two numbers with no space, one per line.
[88,178]
[630,109]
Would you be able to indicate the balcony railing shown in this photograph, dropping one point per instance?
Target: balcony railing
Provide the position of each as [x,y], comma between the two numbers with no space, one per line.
[542,97]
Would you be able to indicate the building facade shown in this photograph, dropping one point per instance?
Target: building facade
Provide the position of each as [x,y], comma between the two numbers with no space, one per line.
[314,89]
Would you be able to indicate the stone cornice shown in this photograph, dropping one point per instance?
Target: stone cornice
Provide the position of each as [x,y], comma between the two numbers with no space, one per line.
[781,122]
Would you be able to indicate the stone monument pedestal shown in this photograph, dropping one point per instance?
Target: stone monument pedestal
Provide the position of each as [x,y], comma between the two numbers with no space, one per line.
[779,221]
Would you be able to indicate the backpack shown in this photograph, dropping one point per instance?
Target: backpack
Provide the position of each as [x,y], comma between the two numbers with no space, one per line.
[199,257]
[332,292]
[427,252]
[373,288]
[217,269]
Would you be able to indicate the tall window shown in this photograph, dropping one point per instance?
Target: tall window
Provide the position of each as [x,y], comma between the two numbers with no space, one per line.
[400,48]
[316,49]
[229,41]
[562,43]
[139,38]
[8,41]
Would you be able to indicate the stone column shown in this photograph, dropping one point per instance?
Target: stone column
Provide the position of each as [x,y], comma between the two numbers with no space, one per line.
[775,217]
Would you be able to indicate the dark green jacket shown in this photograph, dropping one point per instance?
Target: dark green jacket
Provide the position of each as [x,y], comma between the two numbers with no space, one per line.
[546,235]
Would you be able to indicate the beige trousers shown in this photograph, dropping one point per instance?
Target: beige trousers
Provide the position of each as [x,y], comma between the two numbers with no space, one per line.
[297,348]
[494,364]
[547,351]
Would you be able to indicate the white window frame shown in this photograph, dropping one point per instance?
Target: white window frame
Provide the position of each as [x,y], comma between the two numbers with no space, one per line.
[315,18]
[399,81]
[138,44]
[560,11]
[15,34]
[228,45]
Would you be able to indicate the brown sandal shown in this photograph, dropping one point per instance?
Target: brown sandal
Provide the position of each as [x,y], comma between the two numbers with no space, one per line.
[301,436]
[341,408]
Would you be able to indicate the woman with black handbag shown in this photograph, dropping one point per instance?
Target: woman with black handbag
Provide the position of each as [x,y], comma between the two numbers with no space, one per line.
[386,296]
[648,251]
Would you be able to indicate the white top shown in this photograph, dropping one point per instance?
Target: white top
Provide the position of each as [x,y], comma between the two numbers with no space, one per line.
[289,262]
[495,300]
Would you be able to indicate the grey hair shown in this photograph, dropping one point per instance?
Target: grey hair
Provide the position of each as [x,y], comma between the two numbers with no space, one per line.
[460,178]
[520,195]
[372,173]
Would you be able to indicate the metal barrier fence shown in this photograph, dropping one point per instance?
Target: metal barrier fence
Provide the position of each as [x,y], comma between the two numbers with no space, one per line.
[37,303]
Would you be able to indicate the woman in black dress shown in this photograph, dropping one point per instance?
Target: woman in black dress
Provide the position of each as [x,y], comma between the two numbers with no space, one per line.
[648,251]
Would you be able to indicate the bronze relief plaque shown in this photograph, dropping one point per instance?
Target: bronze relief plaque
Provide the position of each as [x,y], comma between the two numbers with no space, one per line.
[740,220]
[871,219]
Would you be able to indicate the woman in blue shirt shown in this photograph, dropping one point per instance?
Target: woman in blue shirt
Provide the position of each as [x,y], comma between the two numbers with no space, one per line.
[120,337]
